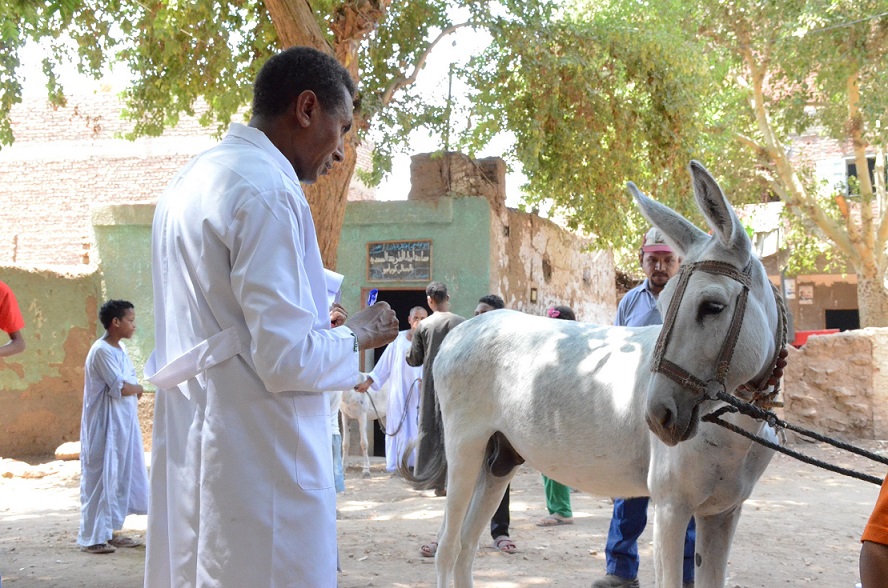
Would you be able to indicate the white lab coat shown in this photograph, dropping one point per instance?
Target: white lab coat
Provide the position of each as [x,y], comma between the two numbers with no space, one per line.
[403,398]
[113,479]
[241,477]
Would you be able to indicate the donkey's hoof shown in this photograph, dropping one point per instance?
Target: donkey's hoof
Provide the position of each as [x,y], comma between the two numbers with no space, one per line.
[365,475]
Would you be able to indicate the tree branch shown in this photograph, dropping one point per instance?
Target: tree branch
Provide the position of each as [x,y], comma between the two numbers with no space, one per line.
[403,81]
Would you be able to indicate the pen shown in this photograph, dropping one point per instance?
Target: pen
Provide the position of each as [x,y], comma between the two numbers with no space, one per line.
[371,298]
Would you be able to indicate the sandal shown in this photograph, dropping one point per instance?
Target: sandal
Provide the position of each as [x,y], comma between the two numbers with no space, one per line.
[121,541]
[504,544]
[554,520]
[98,548]
[429,549]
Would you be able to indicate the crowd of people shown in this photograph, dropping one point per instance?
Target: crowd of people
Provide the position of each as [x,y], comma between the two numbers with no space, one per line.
[249,344]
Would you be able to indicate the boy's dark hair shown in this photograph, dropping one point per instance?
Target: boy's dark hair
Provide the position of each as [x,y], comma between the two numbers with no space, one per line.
[293,71]
[493,300]
[113,309]
[437,291]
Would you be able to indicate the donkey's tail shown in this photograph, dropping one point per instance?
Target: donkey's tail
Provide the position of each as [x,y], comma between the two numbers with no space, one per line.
[430,472]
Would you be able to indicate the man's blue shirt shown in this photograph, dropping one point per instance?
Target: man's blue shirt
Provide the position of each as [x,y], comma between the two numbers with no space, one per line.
[638,308]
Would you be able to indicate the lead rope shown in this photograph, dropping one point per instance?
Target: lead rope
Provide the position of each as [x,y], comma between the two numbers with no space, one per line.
[403,415]
[737,405]
[757,409]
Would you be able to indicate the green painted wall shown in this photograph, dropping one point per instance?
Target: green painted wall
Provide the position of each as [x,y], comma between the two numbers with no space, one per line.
[459,229]
[122,234]
[41,390]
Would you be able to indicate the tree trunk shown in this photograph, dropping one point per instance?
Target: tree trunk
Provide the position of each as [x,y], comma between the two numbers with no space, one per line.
[872,300]
[327,198]
[296,25]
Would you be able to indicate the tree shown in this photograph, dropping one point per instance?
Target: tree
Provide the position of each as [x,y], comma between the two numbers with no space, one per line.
[643,86]
[591,102]
[771,72]
[817,65]
[182,52]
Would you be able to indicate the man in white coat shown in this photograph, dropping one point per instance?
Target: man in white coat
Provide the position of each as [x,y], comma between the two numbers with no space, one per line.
[402,410]
[242,473]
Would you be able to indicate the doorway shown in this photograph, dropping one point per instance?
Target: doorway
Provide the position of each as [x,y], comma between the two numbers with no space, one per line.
[844,320]
[401,301]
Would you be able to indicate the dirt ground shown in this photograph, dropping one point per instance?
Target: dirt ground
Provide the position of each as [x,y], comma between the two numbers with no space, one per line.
[800,528]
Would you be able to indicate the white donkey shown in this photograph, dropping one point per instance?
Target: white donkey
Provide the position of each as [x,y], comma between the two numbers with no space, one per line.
[356,407]
[572,400]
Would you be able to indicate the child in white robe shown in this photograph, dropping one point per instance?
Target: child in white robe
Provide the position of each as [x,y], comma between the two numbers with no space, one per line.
[114,481]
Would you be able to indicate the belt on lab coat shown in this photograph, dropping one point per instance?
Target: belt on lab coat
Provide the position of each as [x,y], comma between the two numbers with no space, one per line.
[206,354]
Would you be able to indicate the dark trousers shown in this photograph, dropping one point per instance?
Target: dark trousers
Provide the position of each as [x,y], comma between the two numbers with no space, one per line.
[499,523]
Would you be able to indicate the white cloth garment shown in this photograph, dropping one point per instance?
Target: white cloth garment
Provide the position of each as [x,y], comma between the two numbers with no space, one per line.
[113,479]
[403,397]
[241,477]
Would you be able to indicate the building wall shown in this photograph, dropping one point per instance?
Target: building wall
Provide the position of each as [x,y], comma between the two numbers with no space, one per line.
[457,226]
[122,242]
[41,390]
[66,160]
[836,384]
[540,255]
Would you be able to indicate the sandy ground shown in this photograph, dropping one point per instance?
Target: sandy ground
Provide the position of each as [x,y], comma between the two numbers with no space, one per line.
[800,528]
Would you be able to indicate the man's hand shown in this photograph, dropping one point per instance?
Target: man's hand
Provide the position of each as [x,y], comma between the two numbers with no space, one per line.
[365,385]
[374,326]
[338,315]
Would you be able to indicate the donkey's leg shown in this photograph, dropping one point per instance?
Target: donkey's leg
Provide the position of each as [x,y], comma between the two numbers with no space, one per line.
[346,440]
[489,492]
[362,427]
[465,458]
[670,523]
[714,536]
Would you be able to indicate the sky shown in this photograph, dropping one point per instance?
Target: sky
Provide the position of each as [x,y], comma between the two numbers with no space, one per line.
[432,82]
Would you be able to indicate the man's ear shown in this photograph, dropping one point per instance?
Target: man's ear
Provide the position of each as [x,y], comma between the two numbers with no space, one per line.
[305,105]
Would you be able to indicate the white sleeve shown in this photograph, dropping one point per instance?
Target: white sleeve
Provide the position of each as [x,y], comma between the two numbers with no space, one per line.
[382,371]
[107,366]
[270,282]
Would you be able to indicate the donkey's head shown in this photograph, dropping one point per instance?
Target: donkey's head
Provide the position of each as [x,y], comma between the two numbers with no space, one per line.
[719,312]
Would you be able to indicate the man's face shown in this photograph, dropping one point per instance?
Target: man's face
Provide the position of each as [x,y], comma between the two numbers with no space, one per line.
[482,308]
[659,267]
[416,316]
[326,142]
[126,326]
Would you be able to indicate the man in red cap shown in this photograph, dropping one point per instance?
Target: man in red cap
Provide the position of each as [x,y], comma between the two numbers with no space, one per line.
[638,308]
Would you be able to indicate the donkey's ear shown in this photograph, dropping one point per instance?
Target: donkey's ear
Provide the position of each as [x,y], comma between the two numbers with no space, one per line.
[679,232]
[719,215]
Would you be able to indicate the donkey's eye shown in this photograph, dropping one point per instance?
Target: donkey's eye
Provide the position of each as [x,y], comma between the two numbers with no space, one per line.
[709,308]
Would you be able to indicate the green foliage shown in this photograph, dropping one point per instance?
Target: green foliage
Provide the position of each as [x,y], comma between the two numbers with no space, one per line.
[178,53]
[594,92]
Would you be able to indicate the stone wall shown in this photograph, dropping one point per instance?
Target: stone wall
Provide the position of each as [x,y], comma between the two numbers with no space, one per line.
[837,385]
[41,390]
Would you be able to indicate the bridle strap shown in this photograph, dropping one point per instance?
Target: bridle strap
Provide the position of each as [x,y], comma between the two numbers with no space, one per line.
[676,373]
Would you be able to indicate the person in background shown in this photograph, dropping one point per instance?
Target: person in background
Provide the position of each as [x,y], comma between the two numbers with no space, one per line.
[11,322]
[113,480]
[426,342]
[499,523]
[638,308]
[557,494]
[874,545]
[403,402]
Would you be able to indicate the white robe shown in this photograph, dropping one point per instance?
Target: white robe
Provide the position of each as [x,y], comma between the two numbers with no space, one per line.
[403,397]
[113,479]
[242,473]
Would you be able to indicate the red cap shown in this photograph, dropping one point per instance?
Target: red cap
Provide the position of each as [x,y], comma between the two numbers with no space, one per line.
[655,242]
